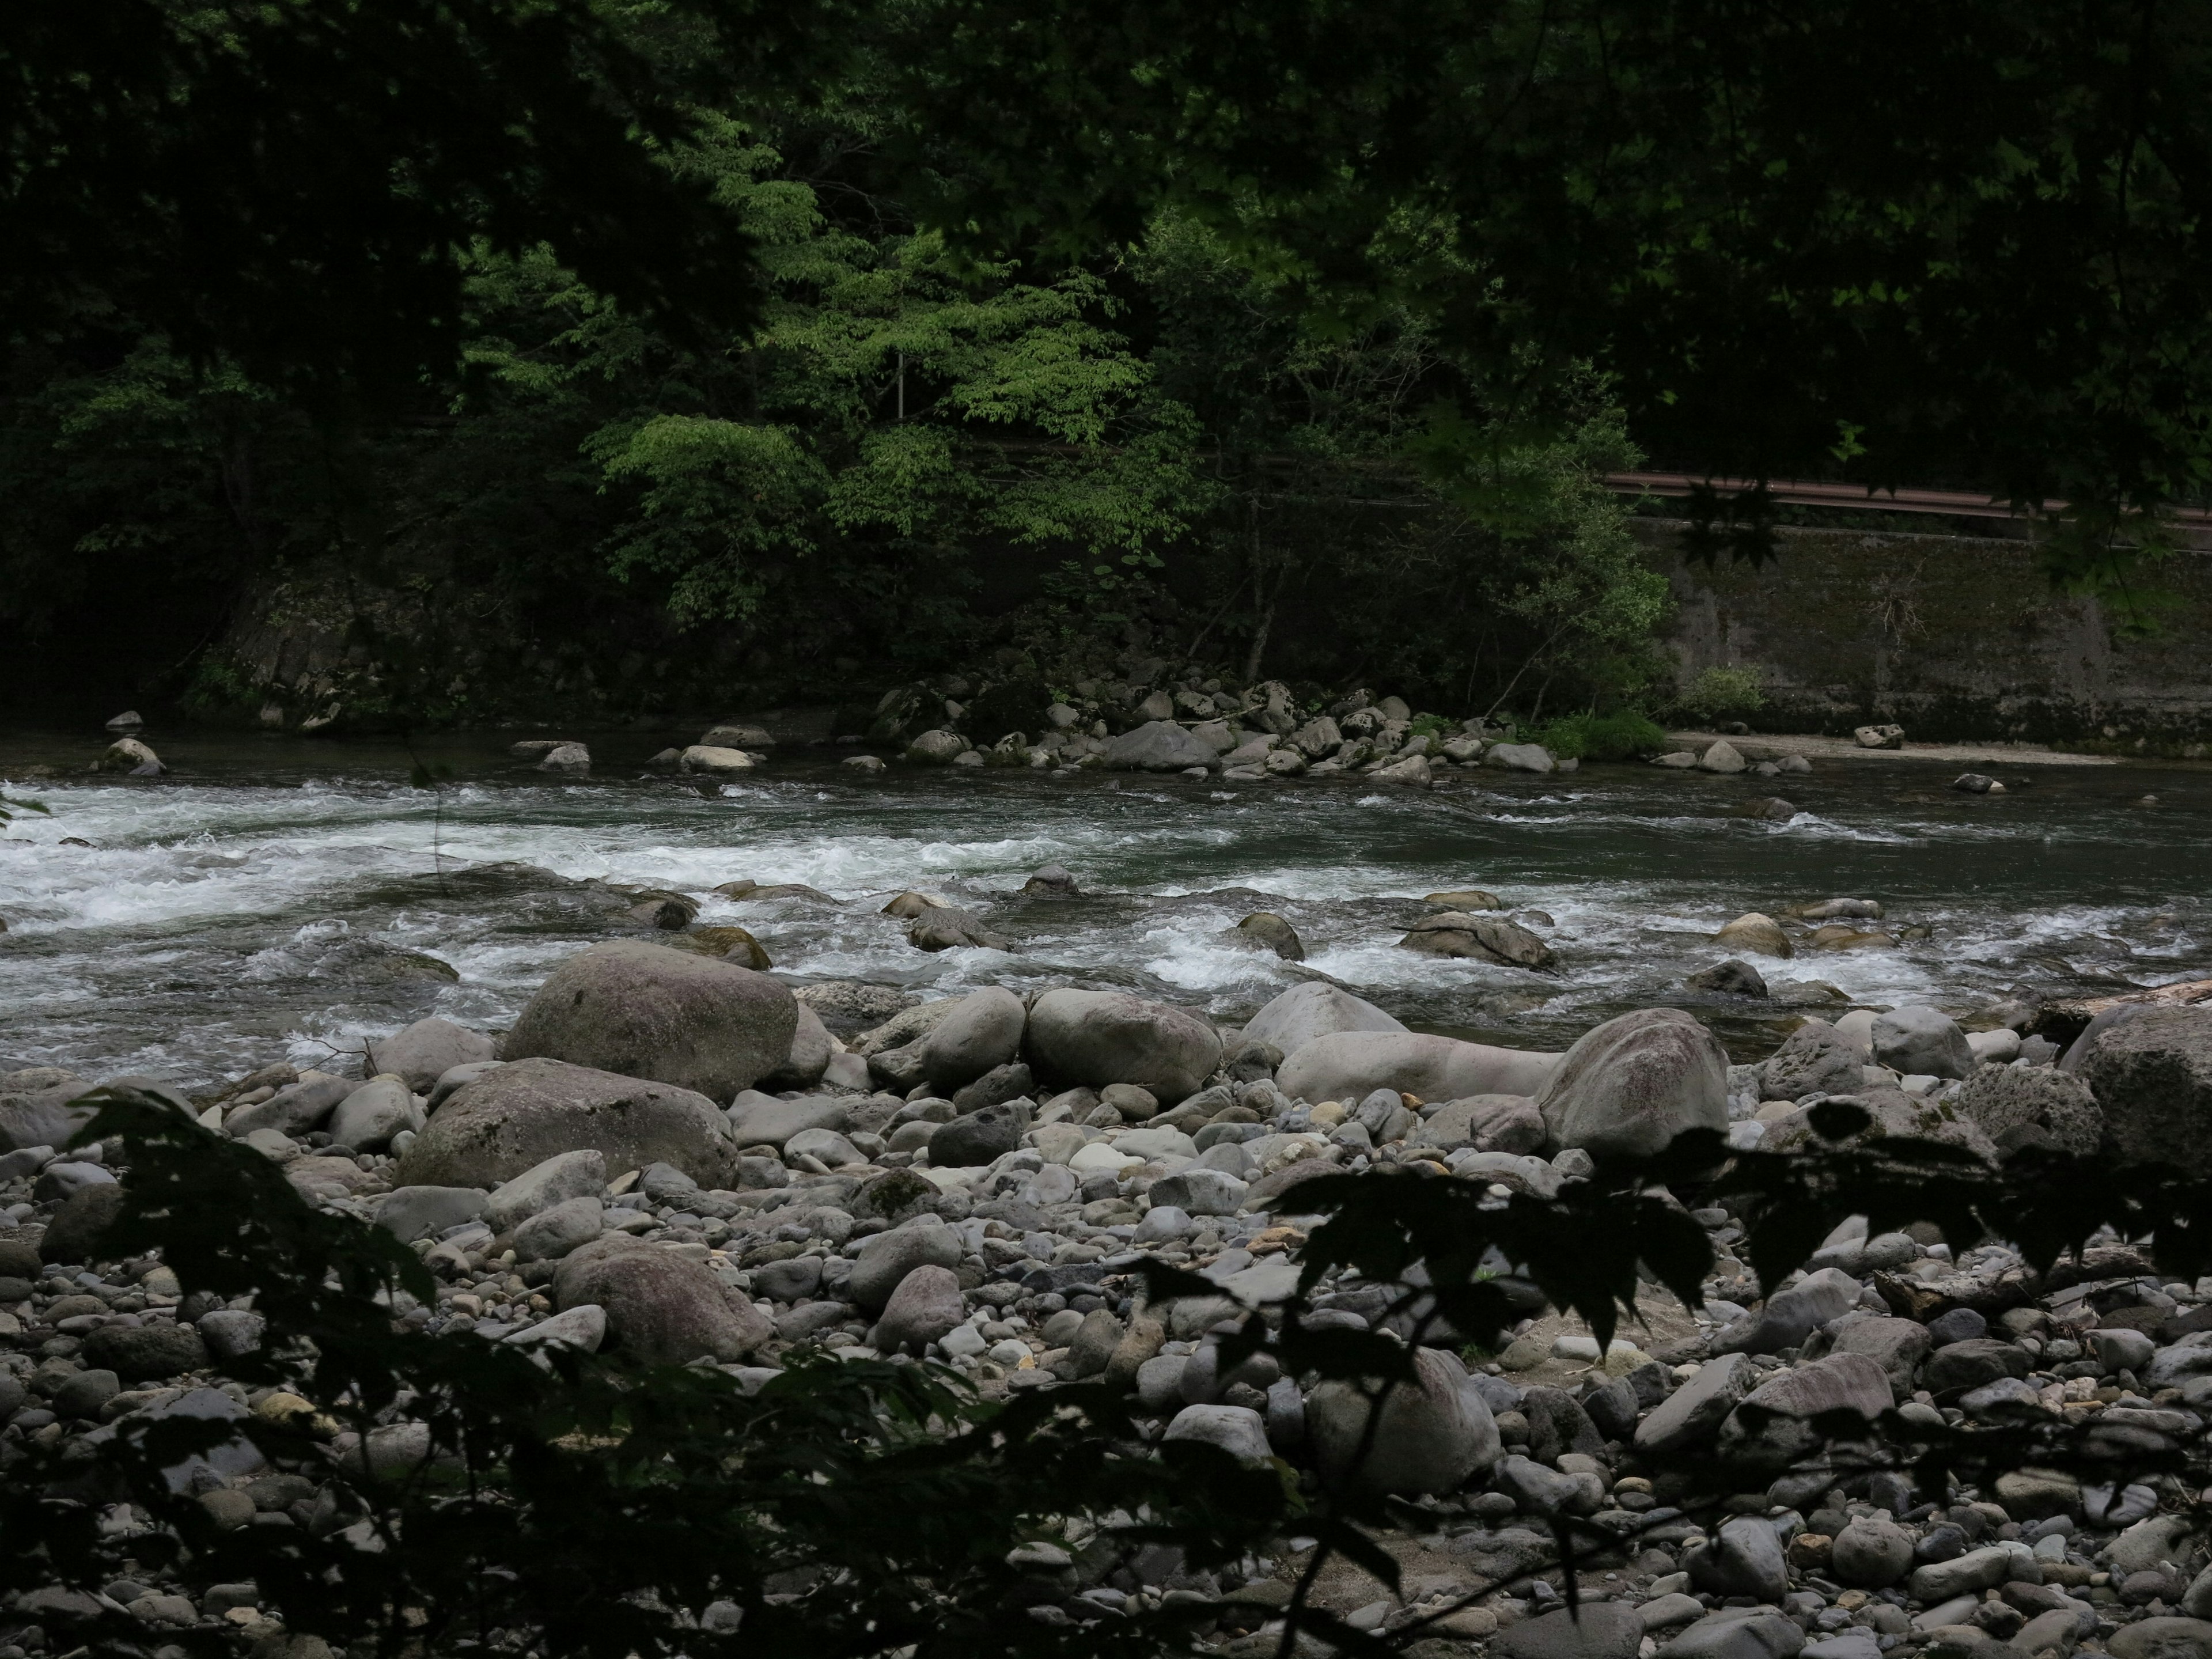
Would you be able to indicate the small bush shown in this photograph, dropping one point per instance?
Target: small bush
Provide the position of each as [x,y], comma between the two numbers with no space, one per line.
[1603,737]
[1722,694]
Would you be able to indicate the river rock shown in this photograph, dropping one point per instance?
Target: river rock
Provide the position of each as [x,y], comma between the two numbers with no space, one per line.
[1925,1042]
[130,755]
[662,1307]
[1741,1633]
[295,1109]
[886,1259]
[980,1137]
[1238,1430]
[1815,1058]
[1484,937]
[1352,1065]
[145,1353]
[581,1173]
[1723,757]
[1791,1316]
[643,1010]
[1956,1367]
[1314,1009]
[1098,1037]
[528,1111]
[1158,745]
[981,1031]
[714,760]
[555,1231]
[1870,1554]
[1733,978]
[1200,1192]
[1788,1405]
[1879,737]
[1756,932]
[1488,1123]
[1744,1558]
[808,1057]
[1897,1345]
[78,1231]
[948,927]
[2152,1073]
[1263,930]
[1435,1431]
[366,1119]
[423,1052]
[1598,1630]
[2001,1100]
[35,1109]
[422,1211]
[1628,1087]
[924,1307]
[1693,1413]
[1520,757]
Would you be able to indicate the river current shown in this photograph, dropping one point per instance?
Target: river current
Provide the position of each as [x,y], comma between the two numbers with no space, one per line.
[277,897]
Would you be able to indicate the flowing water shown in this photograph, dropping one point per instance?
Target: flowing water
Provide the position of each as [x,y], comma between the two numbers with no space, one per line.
[285,898]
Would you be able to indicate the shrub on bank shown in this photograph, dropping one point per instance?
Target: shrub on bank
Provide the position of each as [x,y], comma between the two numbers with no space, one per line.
[1624,736]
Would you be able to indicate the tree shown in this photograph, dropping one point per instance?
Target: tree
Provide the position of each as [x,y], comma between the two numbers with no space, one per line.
[1805,237]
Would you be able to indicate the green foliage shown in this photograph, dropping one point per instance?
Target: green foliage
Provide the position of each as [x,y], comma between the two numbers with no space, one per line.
[9,805]
[1628,735]
[1722,694]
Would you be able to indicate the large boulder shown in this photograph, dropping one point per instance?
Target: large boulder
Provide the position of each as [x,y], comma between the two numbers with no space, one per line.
[1488,1123]
[1458,934]
[145,1353]
[516,1117]
[2152,1073]
[299,1107]
[1922,1042]
[1098,1037]
[35,1110]
[758,1119]
[78,1231]
[812,1046]
[983,1031]
[662,1307]
[1816,1059]
[979,1137]
[1629,1086]
[366,1119]
[1313,1010]
[924,1307]
[564,1176]
[1352,1065]
[1158,746]
[1435,1431]
[884,1261]
[2006,1101]
[644,1010]
[1774,1425]
[423,1052]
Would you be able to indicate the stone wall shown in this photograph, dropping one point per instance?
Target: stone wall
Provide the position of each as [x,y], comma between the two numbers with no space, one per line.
[1952,637]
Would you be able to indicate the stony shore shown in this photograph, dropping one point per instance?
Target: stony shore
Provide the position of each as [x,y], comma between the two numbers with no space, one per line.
[675,1155]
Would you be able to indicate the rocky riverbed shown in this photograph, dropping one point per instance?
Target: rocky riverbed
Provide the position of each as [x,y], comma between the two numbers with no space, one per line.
[677,1156]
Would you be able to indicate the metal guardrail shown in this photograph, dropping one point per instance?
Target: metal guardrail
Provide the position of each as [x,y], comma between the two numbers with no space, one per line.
[1943,503]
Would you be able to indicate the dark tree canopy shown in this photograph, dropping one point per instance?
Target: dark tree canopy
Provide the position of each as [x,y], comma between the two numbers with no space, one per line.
[295,185]
[1809,237]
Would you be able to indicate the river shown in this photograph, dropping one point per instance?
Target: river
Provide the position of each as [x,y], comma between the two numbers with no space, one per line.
[274,897]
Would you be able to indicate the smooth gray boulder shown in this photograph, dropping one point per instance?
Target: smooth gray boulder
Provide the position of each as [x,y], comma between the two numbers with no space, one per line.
[1963,1575]
[1925,1042]
[582,1327]
[1870,1554]
[422,1211]
[1628,1087]
[924,1307]
[292,1110]
[1312,1010]
[1791,1316]
[2168,1637]
[758,1119]
[2152,1073]
[553,1232]
[35,1110]
[2004,1100]
[1598,1630]
[1197,1191]
[983,1031]
[1738,1633]
[1435,1431]
[884,1261]
[1744,1558]
[366,1119]
[645,1011]
[808,1059]
[1238,1430]
[515,1118]
[981,1136]
[1488,1123]
[1098,1037]
[1352,1065]
[1774,1423]
[1693,1413]
[1158,746]
[423,1052]
[581,1173]
[1897,1345]
[1815,1058]
[662,1307]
